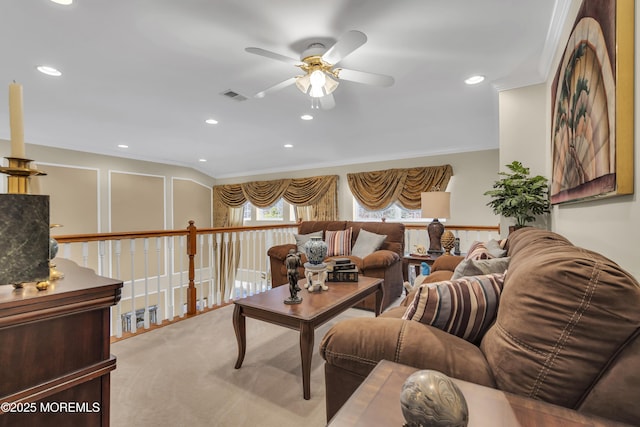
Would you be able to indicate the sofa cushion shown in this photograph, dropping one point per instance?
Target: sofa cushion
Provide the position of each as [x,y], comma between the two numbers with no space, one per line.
[476,267]
[302,239]
[393,230]
[465,307]
[358,344]
[565,312]
[367,243]
[338,242]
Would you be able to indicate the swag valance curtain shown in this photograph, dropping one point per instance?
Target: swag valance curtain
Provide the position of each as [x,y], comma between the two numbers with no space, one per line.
[320,192]
[377,190]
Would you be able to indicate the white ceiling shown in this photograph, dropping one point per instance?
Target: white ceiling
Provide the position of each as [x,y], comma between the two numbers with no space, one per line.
[147,73]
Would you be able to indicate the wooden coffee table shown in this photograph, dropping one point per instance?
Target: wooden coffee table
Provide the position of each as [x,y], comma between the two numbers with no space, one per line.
[377,402]
[316,309]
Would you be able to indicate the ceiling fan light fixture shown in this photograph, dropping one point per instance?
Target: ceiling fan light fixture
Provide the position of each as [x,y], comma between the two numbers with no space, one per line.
[317,81]
[303,83]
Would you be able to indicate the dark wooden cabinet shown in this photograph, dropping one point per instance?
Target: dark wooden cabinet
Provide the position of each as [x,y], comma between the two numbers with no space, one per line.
[55,359]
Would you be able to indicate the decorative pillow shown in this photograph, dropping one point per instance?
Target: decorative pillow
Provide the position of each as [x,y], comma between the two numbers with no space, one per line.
[485,250]
[302,239]
[496,248]
[476,267]
[478,250]
[338,242]
[465,307]
[367,243]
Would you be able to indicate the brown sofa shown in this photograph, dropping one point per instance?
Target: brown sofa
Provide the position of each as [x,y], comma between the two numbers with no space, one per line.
[385,263]
[566,332]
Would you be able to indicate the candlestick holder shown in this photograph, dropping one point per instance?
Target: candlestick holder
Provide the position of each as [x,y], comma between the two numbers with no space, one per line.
[19,172]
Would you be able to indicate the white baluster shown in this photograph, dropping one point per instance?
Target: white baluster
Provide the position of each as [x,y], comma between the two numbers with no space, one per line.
[244,289]
[118,250]
[67,250]
[181,293]
[134,323]
[201,293]
[171,308]
[211,297]
[159,316]
[85,254]
[232,272]
[216,259]
[101,257]
[146,283]
[253,278]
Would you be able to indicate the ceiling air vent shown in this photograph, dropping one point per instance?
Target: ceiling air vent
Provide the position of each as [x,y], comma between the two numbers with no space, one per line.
[234,95]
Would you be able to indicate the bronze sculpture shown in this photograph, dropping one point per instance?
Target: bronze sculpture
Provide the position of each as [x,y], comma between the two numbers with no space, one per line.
[293,262]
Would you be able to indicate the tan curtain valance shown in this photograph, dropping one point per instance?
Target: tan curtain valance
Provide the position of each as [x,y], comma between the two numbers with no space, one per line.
[378,189]
[318,191]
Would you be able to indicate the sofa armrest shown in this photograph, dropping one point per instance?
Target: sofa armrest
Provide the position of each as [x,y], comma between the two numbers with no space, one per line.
[280,252]
[381,258]
[357,345]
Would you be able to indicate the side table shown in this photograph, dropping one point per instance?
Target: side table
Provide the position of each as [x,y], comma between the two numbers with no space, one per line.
[377,403]
[415,260]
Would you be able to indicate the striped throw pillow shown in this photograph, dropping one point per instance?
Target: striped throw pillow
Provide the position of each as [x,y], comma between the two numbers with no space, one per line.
[338,242]
[478,250]
[465,307]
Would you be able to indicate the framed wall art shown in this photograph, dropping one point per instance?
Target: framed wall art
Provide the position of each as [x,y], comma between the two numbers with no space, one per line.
[592,105]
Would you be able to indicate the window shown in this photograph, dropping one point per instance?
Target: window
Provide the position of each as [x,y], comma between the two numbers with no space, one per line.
[394,212]
[281,211]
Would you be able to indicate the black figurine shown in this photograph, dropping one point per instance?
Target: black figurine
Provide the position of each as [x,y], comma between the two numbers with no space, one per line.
[292,262]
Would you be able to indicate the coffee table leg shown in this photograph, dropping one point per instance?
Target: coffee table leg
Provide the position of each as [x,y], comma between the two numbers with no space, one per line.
[379,297]
[241,334]
[306,352]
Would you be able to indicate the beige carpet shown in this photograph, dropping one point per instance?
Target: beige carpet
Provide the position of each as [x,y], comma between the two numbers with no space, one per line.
[183,375]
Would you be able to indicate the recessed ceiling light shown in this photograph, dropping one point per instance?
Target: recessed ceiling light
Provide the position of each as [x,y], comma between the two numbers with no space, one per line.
[63,2]
[211,121]
[123,146]
[474,80]
[306,117]
[50,71]
[288,145]
[202,160]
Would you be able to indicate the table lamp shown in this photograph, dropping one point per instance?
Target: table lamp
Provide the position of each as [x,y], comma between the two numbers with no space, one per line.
[435,204]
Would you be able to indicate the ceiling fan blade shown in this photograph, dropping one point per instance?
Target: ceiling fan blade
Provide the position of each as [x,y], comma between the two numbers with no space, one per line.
[365,77]
[276,87]
[344,46]
[272,55]
[327,102]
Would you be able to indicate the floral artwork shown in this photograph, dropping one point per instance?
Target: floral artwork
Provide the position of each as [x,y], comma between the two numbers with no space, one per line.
[587,142]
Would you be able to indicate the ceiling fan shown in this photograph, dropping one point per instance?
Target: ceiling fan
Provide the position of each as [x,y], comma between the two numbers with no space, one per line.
[321,77]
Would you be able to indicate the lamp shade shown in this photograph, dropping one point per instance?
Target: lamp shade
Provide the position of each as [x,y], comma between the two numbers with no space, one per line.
[435,204]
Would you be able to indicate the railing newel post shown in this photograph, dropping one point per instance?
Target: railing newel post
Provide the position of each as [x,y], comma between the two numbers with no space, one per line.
[191,252]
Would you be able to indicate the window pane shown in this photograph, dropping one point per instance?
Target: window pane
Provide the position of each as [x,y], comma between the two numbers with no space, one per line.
[272,213]
[394,212]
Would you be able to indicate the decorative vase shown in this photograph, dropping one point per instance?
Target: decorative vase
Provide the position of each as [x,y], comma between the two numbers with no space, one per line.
[316,250]
[429,399]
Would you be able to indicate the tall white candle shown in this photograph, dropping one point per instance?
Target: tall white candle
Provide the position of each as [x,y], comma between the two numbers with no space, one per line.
[16,120]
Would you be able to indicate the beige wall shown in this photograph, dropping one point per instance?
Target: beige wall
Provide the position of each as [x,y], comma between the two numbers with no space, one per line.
[473,174]
[608,226]
[191,201]
[85,200]
[136,201]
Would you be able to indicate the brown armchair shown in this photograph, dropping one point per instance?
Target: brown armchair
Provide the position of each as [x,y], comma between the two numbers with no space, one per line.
[385,263]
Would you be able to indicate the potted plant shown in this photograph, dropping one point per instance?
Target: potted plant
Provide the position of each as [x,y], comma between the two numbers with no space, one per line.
[518,195]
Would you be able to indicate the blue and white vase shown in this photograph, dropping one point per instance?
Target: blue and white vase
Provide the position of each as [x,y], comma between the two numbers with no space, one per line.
[316,250]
